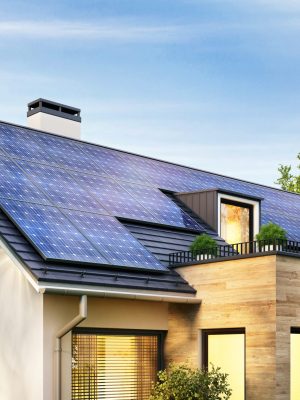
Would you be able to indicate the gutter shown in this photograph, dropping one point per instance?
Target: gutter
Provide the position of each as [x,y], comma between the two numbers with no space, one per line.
[147,295]
[82,315]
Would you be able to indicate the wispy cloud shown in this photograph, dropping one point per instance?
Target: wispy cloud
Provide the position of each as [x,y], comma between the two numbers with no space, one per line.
[106,30]
[283,5]
[136,31]
[280,5]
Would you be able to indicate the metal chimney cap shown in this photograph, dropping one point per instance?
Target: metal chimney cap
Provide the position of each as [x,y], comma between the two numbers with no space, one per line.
[53,108]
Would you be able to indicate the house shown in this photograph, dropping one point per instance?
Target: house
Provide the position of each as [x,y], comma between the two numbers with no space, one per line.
[98,288]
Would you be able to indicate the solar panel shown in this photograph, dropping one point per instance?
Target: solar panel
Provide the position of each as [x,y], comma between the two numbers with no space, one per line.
[29,145]
[62,188]
[117,200]
[68,154]
[18,142]
[114,241]
[140,178]
[54,237]
[164,175]
[163,208]
[14,184]
[114,163]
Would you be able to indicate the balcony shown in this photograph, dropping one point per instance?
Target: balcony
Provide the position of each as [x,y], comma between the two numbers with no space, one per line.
[234,251]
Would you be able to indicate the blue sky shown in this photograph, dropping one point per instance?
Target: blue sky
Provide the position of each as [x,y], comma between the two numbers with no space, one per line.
[214,84]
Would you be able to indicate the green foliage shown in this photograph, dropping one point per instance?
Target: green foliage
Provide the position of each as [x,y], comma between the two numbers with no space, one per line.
[287,180]
[203,244]
[271,232]
[181,382]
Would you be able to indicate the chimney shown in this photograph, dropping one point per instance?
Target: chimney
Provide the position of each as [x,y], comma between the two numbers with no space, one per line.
[54,117]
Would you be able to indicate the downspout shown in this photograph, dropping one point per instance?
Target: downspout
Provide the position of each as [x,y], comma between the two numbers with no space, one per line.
[60,334]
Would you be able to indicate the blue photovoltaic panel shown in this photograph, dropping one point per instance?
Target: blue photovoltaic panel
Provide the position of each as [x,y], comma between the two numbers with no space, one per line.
[62,188]
[162,175]
[51,233]
[166,176]
[116,199]
[114,163]
[18,142]
[163,208]
[14,184]
[114,241]
[277,206]
[29,145]
[68,154]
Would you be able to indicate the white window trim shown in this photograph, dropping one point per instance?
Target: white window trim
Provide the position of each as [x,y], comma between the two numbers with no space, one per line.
[238,199]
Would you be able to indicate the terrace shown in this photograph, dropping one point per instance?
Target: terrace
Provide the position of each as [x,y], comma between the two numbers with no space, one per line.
[235,251]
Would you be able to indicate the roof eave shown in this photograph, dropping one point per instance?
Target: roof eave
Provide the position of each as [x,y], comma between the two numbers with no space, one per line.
[100,291]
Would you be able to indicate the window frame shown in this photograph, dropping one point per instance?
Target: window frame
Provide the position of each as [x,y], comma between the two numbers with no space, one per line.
[221,331]
[296,331]
[242,201]
[161,335]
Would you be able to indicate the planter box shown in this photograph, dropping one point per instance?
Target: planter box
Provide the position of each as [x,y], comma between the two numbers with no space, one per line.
[273,247]
[201,257]
[268,247]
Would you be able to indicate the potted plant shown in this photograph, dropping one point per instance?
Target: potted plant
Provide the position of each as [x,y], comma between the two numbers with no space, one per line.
[271,235]
[204,247]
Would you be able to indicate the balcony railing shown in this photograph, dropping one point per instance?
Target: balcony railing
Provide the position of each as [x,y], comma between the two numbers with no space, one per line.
[238,249]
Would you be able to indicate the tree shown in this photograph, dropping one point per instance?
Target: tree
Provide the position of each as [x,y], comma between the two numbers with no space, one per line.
[287,180]
[181,382]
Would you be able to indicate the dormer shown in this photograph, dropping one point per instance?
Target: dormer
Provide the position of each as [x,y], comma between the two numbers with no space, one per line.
[234,216]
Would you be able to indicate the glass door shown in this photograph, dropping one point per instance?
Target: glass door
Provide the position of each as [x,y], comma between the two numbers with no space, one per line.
[225,348]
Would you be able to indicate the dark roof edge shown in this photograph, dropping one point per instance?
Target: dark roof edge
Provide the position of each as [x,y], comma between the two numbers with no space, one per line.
[151,158]
[50,107]
[237,257]
[224,191]
[41,99]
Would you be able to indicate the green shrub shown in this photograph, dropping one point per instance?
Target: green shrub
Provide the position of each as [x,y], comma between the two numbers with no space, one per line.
[270,232]
[203,244]
[181,382]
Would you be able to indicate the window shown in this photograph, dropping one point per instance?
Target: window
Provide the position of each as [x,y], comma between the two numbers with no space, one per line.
[225,348]
[236,222]
[114,364]
[295,363]
[239,218]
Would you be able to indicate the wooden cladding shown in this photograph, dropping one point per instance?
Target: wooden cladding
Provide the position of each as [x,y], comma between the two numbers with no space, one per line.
[114,366]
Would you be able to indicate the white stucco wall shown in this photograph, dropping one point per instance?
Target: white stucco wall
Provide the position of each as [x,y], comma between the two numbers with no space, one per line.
[53,124]
[21,335]
[102,313]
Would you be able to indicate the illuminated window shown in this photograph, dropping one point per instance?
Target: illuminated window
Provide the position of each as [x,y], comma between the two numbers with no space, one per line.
[114,366]
[226,349]
[295,364]
[236,222]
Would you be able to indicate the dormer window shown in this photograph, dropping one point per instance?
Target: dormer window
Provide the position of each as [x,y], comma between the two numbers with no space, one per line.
[238,218]
[236,221]
[234,216]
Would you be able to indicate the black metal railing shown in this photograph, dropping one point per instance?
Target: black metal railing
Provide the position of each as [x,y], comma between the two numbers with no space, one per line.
[237,249]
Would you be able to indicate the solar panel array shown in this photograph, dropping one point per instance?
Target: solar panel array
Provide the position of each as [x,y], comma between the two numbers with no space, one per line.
[64,195]
[51,232]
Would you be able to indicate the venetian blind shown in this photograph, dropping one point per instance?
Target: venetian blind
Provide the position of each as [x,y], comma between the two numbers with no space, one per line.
[113,367]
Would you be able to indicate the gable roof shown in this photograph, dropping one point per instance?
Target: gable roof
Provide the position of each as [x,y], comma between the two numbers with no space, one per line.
[81,203]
